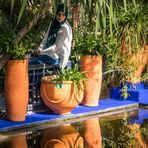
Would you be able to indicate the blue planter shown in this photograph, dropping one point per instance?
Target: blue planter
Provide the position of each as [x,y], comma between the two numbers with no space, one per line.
[137,92]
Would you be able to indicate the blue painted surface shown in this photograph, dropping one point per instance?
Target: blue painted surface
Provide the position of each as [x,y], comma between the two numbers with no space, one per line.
[104,105]
[137,92]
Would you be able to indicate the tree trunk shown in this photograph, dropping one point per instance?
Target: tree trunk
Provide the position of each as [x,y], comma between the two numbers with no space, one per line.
[27,27]
[3,60]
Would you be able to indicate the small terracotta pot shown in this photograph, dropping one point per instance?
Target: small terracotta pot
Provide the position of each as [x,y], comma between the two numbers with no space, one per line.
[60,100]
[16,89]
[64,136]
[93,66]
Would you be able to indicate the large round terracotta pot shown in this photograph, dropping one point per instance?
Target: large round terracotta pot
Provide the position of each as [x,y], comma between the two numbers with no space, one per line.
[64,136]
[60,98]
[92,65]
[16,89]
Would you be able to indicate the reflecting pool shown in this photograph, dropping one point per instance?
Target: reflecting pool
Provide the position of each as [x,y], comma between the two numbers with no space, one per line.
[125,130]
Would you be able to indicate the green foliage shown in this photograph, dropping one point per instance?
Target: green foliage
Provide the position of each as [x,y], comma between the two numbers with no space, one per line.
[70,74]
[132,25]
[97,15]
[144,77]
[111,53]
[15,51]
[131,33]
[120,135]
[17,18]
[124,92]
[91,44]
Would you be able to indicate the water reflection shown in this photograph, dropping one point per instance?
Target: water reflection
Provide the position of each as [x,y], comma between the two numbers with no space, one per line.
[64,136]
[16,142]
[125,134]
[135,129]
[91,133]
[127,131]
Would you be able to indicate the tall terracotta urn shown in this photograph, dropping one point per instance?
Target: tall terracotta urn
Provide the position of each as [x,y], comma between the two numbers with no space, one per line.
[61,98]
[16,89]
[92,65]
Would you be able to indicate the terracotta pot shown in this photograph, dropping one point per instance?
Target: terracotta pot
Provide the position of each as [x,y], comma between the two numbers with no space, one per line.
[64,136]
[60,100]
[93,66]
[16,89]
[92,133]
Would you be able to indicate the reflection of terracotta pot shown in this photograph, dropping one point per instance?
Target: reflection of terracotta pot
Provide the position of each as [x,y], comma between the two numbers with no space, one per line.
[18,142]
[63,99]
[93,66]
[92,133]
[64,136]
[16,89]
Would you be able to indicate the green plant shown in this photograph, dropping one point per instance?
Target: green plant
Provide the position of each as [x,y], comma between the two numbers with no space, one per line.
[18,25]
[132,31]
[88,44]
[124,92]
[15,51]
[132,22]
[70,74]
[131,35]
[91,44]
[145,77]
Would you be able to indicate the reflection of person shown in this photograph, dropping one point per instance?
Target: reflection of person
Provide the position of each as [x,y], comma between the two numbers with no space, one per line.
[56,46]
[64,136]
[92,133]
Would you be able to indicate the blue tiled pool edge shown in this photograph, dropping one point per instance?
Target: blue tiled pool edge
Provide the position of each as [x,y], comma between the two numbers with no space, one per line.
[105,105]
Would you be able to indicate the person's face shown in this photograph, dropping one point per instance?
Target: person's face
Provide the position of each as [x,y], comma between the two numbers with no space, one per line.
[60,16]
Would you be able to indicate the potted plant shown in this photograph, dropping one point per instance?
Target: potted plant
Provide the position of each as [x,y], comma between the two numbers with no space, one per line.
[16,91]
[90,49]
[63,92]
